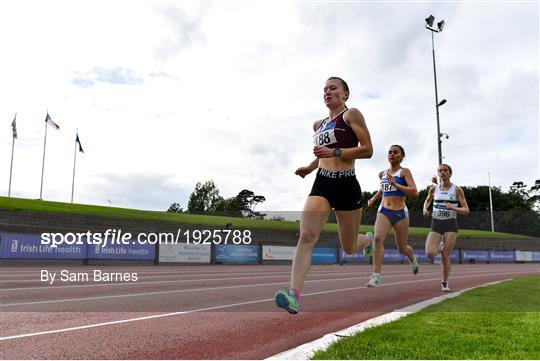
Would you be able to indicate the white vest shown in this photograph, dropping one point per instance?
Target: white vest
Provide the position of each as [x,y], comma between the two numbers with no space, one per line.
[440,198]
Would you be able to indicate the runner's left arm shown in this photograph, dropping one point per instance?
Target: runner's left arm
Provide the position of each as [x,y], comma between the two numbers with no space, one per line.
[464,209]
[410,189]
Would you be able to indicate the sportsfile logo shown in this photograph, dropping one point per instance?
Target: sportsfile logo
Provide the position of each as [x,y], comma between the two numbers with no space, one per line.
[117,237]
[110,236]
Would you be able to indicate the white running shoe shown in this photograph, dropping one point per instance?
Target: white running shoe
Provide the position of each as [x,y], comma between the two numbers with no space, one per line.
[375,280]
[444,286]
[441,246]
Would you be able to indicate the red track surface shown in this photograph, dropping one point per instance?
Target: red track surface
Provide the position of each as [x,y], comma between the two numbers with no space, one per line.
[204,312]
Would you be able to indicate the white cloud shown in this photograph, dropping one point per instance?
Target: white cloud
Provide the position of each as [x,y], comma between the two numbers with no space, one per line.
[167,94]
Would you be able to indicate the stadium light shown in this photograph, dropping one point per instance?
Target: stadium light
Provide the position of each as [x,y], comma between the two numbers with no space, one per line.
[430,20]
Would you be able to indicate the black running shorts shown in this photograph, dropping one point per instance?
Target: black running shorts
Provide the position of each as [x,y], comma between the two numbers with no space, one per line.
[442,226]
[340,188]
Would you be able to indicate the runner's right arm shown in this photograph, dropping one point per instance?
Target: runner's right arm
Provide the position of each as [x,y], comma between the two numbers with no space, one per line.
[376,195]
[304,171]
[428,201]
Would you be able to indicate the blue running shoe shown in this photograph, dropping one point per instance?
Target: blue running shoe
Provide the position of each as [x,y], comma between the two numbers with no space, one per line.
[286,299]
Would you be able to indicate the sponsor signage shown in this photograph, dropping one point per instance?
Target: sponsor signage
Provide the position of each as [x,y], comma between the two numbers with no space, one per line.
[524,256]
[184,253]
[454,257]
[133,251]
[326,255]
[29,247]
[278,253]
[226,253]
[393,255]
[421,255]
[502,256]
[479,256]
[354,258]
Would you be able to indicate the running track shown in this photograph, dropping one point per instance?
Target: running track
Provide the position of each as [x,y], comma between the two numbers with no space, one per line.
[204,312]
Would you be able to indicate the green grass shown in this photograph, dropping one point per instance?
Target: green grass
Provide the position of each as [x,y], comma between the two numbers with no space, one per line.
[496,322]
[21,204]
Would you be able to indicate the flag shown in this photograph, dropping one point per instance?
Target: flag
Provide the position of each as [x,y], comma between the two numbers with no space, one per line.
[49,120]
[78,141]
[14,127]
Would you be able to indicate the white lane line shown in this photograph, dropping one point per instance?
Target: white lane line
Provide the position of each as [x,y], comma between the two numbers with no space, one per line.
[181,281]
[89,285]
[307,350]
[180,270]
[143,282]
[191,290]
[164,275]
[187,290]
[149,273]
[198,270]
[68,329]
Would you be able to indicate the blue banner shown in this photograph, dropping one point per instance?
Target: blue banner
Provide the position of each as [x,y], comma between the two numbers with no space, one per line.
[227,253]
[479,256]
[454,257]
[324,255]
[134,251]
[393,255]
[536,256]
[503,256]
[354,258]
[21,246]
[421,255]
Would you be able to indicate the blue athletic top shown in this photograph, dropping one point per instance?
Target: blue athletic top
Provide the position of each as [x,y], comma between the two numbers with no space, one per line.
[388,189]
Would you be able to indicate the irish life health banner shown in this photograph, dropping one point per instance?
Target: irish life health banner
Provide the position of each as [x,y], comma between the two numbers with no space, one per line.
[25,246]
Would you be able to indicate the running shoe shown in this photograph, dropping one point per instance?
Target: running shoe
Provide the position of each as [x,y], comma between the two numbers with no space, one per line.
[375,280]
[415,266]
[444,286]
[368,251]
[286,299]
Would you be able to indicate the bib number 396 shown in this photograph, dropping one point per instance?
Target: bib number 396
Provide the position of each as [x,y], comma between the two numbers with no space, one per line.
[443,213]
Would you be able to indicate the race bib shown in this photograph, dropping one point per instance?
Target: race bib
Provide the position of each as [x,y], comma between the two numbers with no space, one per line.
[387,187]
[442,213]
[325,136]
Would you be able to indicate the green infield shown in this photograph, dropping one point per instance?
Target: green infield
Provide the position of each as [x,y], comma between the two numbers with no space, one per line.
[501,321]
[21,204]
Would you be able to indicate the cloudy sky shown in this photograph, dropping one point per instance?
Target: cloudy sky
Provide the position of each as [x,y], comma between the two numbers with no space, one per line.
[169,93]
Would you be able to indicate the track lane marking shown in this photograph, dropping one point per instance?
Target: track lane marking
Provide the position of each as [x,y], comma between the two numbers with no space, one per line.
[5,338]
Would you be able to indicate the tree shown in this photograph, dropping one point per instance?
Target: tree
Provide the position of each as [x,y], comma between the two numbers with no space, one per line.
[520,189]
[241,205]
[175,208]
[205,198]
[534,196]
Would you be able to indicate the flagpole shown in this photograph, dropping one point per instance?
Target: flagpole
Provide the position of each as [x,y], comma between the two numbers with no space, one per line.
[74,163]
[491,204]
[43,164]
[11,167]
